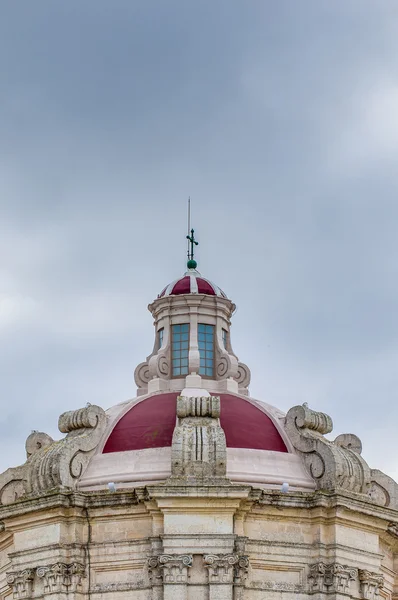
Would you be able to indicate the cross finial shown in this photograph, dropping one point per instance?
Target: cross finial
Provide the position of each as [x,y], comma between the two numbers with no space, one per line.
[192,264]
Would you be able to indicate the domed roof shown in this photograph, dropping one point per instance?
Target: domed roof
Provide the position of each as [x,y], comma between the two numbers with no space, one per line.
[137,447]
[191,282]
[150,424]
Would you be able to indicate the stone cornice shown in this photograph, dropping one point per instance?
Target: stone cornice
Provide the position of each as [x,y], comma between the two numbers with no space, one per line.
[345,500]
[205,491]
[66,500]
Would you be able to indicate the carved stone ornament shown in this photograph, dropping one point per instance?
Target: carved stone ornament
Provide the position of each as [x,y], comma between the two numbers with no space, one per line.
[55,577]
[198,448]
[370,584]
[331,577]
[21,583]
[154,571]
[241,570]
[220,567]
[61,577]
[175,567]
[56,464]
[331,465]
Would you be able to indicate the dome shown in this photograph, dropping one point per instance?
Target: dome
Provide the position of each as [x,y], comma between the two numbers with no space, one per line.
[150,424]
[137,446]
[191,282]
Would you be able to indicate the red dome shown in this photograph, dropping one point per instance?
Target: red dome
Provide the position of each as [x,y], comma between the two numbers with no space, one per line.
[150,424]
[192,283]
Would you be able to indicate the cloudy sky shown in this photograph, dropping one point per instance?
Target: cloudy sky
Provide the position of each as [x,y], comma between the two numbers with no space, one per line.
[279,119]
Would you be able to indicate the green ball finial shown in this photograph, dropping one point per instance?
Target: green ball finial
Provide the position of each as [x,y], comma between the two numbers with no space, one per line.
[192,264]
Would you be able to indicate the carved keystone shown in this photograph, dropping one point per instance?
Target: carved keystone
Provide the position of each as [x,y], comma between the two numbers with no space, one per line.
[198,448]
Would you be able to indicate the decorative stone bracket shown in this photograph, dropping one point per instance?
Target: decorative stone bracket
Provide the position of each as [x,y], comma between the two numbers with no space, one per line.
[198,448]
[333,465]
[56,464]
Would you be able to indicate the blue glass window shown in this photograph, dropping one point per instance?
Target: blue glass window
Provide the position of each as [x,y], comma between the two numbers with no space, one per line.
[160,338]
[206,349]
[225,337]
[179,349]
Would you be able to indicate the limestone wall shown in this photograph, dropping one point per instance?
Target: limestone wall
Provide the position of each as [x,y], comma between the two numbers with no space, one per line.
[197,544]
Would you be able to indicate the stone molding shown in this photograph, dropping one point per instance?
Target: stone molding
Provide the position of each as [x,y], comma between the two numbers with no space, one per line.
[370,584]
[198,448]
[57,578]
[332,465]
[52,465]
[332,577]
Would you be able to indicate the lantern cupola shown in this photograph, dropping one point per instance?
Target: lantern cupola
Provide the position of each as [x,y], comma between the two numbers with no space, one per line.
[192,348]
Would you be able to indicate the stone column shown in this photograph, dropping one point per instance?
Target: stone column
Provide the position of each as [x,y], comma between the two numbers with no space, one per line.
[175,575]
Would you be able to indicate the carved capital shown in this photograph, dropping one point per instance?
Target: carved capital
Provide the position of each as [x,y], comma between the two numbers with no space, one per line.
[175,567]
[331,577]
[21,583]
[154,571]
[55,578]
[370,584]
[61,577]
[220,567]
[241,570]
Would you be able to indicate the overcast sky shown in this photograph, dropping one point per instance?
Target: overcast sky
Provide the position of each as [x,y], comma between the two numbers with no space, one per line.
[279,119]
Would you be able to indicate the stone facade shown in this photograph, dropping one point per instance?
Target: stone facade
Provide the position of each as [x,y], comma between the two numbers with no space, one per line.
[197,536]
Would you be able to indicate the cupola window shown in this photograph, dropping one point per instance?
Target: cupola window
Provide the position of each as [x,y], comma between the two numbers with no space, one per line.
[206,349]
[225,337]
[179,349]
[160,338]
